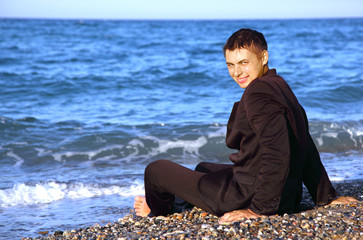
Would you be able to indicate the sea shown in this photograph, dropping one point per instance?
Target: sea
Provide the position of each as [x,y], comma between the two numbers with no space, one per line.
[85,105]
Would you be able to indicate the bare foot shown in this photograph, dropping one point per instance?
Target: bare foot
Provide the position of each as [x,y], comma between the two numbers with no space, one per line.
[343,200]
[141,207]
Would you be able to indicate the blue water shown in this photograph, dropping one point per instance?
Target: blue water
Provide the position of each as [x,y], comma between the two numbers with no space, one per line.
[86,105]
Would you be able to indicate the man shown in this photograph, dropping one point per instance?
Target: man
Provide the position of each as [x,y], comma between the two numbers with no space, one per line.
[275,154]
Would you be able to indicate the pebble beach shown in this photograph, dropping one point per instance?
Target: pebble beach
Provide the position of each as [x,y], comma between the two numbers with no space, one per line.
[319,222]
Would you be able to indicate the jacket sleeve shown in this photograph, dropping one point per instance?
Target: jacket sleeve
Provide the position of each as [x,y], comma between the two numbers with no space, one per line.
[267,118]
[315,177]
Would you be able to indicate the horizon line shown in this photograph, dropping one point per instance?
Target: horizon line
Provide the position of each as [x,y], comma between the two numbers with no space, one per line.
[176,19]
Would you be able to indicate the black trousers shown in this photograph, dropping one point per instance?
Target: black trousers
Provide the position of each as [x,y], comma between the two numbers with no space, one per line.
[165,179]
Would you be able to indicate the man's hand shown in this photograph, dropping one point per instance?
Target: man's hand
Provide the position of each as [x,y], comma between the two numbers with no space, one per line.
[237,215]
[343,200]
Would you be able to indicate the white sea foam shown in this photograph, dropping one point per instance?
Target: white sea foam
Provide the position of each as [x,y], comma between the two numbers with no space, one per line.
[188,146]
[18,159]
[91,154]
[134,146]
[135,149]
[221,132]
[346,135]
[25,194]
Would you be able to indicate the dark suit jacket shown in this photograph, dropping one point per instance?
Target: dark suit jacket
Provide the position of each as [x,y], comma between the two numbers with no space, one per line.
[275,154]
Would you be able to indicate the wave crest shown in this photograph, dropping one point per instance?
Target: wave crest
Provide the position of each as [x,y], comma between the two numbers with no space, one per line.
[40,193]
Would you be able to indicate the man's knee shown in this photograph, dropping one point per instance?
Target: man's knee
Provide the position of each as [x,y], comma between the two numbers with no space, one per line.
[207,167]
[202,167]
[155,167]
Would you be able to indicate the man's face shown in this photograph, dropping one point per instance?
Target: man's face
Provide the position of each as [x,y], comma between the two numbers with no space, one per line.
[244,65]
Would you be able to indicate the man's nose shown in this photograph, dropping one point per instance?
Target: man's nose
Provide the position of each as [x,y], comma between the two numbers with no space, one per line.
[237,71]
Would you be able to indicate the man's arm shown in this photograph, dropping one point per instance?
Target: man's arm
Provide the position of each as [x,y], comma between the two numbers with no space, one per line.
[267,118]
[316,179]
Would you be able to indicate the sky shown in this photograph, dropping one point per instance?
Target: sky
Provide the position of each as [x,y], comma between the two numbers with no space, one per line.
[180,9]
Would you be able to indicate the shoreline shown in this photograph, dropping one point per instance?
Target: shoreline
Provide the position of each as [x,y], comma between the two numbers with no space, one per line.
[322,222]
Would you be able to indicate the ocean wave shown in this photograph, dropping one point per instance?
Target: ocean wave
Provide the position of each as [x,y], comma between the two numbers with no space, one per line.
[337,136]
[139,150]
[48,192]
[30,142]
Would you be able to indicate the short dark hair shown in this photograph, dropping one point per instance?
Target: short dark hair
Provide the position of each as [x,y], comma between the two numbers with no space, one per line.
[246,38]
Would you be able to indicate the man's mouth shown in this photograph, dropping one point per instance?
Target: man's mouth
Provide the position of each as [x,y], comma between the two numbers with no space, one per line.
[242,80]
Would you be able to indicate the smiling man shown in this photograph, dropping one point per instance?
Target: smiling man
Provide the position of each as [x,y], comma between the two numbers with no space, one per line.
[275,152]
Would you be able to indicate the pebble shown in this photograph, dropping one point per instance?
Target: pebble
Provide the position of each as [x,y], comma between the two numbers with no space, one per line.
[327,222]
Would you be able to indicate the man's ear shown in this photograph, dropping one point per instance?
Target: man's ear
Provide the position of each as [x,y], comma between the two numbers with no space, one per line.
[264,57]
